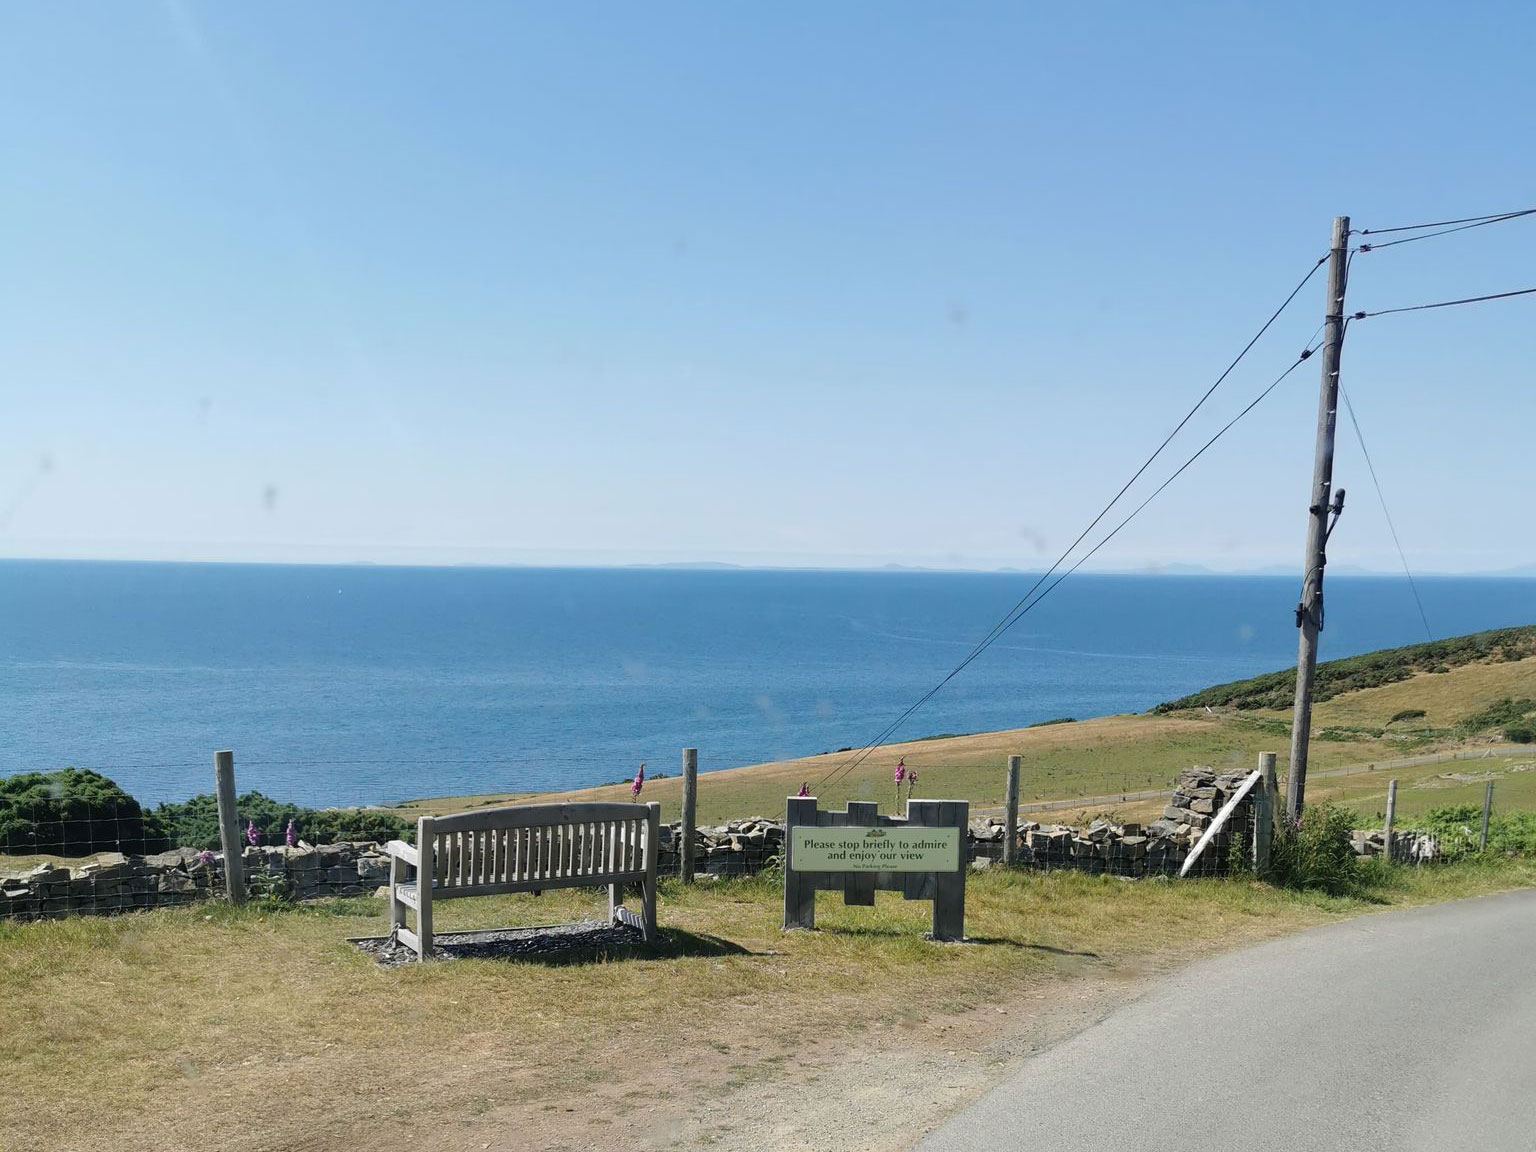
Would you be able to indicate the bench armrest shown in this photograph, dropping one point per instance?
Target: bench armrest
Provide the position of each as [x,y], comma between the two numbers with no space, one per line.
[402,850]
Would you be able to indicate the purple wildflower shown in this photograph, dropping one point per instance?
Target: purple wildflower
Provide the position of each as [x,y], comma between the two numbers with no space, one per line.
[911,782]
[634,789]
[205,857]
[291,835]
[901,770]
[805,790]
[252,834]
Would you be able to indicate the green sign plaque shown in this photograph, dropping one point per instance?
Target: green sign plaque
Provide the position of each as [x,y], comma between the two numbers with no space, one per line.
[891,849]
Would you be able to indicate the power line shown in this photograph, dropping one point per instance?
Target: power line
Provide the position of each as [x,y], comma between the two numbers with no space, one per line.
[1003,623]
[1493,218]
[1445,303]
[1391,527]
[1022,608]
[1443,232]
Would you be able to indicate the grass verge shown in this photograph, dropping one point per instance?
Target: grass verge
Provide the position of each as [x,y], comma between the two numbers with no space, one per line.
[213,1027]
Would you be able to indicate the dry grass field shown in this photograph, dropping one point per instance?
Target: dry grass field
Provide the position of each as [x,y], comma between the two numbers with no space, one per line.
[1115,755]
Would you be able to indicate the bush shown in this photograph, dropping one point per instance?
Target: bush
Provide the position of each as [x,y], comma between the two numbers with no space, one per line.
[1408,714]
[1506,713]
[1520,734]
[1317,853]
[74,812]
[195,823]
[1459,826]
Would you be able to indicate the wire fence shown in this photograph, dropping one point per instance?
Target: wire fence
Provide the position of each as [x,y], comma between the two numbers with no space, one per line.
[72,842]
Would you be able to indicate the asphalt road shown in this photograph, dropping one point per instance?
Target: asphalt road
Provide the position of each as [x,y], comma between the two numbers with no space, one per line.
[1404,1031]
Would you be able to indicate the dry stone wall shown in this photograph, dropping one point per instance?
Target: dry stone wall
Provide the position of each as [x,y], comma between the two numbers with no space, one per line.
[114,882]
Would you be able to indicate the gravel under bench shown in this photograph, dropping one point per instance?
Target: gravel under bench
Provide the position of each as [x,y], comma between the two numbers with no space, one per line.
[559,941]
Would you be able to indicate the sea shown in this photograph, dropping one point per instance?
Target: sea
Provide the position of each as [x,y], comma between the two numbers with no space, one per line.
[362,684]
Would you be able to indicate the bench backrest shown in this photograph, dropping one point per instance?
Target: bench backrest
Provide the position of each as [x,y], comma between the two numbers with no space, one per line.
[520,846]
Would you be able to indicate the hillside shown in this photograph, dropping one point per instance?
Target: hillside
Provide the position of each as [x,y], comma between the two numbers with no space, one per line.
[1277,690]
[1413,702]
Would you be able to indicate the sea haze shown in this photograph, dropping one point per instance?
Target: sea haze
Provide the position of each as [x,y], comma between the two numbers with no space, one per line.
[360,684]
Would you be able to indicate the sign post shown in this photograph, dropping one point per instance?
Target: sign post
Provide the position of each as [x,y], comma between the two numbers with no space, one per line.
[859,851]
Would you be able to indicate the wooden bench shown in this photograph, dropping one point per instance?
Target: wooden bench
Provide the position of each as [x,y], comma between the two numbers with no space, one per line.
[525,848]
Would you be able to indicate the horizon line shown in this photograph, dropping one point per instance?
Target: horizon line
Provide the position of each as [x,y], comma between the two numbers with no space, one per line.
[1270,571]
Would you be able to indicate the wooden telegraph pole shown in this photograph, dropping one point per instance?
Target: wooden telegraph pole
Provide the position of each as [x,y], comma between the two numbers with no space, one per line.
[1309,612]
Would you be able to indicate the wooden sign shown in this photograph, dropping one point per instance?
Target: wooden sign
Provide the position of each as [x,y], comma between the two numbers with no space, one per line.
[894,849]
[859,851]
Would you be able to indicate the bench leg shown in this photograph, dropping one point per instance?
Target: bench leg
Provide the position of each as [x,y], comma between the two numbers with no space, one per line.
[649,910]
[615,902]
[396,878]
[424,914]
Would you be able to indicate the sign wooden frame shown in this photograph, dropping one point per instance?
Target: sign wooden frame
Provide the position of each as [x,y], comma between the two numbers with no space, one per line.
[945,888]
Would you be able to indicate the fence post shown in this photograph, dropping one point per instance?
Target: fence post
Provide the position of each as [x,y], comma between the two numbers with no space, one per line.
[229,826]
[1386,833]
[1011,812]
[1482,843]
[687,833]
[1264,814]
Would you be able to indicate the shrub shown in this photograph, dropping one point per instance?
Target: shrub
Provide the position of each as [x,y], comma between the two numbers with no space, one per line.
[195,822]
[1408,714]
[1317,853]
[74,812]
[1508,712]
[1520,733]
[1459,826]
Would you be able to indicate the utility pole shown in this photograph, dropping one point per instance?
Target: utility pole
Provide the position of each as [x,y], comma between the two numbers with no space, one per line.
[1309,612]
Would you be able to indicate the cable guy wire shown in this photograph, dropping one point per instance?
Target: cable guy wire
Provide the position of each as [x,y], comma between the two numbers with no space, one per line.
[1391,527]
[1027,605]
[1004,623]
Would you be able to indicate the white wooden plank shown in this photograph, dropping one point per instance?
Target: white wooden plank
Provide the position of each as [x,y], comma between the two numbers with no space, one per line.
[1221,818]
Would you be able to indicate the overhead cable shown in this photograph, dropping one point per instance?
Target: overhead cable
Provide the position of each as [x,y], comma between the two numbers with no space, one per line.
[1445,303]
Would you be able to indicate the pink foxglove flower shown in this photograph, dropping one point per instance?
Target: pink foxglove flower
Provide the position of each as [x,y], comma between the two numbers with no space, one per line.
[901,770]
[290,836]
[205,858]
[805,790]
[634,789]
[252,834]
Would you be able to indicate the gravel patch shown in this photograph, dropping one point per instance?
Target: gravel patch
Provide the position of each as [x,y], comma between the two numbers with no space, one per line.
[555,941]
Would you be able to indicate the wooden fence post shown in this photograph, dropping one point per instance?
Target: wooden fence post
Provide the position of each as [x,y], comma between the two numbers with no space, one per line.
[687,834]
[1386,832]
[229,826]
[1265,797]
[1482,842]
[1011,813]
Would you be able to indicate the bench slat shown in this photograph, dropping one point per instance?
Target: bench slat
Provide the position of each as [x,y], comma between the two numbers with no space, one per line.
[537,815]
[579,851]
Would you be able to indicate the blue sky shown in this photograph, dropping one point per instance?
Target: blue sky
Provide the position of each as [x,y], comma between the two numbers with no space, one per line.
[819,284]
